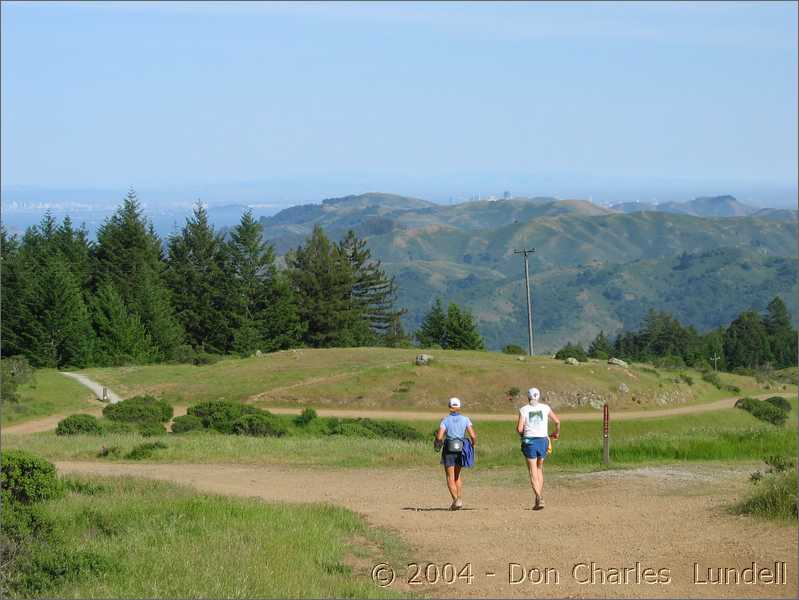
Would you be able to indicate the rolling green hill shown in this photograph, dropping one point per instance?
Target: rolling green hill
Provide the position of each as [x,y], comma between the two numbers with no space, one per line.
[594,269]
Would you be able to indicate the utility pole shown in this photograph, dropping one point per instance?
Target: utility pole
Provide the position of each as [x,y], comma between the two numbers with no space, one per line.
[715,358]
[525,252]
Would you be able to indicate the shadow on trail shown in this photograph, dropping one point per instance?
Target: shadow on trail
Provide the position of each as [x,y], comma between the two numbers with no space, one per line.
[426,509]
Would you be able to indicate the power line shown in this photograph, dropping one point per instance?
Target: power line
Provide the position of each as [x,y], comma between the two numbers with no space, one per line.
[525,252]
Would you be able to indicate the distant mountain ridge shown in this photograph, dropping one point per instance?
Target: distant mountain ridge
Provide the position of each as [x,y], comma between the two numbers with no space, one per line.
[594,267]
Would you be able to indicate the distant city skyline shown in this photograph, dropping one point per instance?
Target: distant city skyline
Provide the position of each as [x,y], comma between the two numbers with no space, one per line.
[288,103]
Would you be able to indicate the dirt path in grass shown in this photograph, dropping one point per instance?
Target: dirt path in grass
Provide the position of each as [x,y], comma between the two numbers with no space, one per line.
[96,388]
[664,518]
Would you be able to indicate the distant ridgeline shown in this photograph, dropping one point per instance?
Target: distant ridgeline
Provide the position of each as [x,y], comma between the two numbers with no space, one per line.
[130,297]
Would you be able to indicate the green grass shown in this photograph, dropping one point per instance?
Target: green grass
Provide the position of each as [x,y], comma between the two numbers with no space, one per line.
[49,393]
[166,541]
[385,378]
[724,435]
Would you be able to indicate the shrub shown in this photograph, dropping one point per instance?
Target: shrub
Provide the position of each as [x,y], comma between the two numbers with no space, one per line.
[28,478]
[150,429]
[572,351]
[184,354]
[774,496]
[369,428]
[118,427]
[765,411]
[687,378]
[600,355]
[712,378]
[260,425]
[75,424]
[204,358]
[220,414]
[144,450]
[780,403]
[514,392]
[140,409]
[514,349]
[307,415]
[187,423]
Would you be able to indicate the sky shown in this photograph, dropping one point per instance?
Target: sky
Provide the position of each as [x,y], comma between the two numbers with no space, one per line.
[159,94]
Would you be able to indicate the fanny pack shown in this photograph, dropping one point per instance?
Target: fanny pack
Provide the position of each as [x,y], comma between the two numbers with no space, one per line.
[453,445]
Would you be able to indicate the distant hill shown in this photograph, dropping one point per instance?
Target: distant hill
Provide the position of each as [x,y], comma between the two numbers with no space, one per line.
[594,268]
[706,206]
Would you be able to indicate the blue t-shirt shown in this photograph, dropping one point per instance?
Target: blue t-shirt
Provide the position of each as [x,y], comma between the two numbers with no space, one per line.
[455,425]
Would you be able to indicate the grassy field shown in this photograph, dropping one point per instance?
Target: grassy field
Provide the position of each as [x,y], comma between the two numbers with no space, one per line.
[729,434]
[166,541]
[384,378]
[49,393]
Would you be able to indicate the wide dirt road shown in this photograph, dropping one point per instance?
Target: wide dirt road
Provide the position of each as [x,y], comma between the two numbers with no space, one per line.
[665,518]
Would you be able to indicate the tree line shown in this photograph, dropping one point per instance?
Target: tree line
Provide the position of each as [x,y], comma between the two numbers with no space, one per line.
[128,298]
[751,341]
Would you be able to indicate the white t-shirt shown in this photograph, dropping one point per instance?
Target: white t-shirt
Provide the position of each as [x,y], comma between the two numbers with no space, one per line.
[536,419]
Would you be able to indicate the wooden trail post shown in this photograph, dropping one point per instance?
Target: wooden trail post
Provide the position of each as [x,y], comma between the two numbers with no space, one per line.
[605,435]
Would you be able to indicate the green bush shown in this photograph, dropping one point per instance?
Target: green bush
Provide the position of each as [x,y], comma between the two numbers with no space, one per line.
[150,429]
[27,478]
[514,349]
[220,414]
[687,378]
[780,402]
[307,415]
[259,425]
[765,411]
[184,354]
[572,351]
[187,423]
[368,428]
[204,358]
[118,427]
[712,378]
[144,450]
[76,424]
[140,409]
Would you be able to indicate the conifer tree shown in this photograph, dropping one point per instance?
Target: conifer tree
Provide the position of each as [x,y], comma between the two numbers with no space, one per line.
[462,333]
[120,336]
[600,347]
[57,330]
[433,331]
[781,334]
[322,280]
[198,277]
[128,255]
[373,292]
[746,342]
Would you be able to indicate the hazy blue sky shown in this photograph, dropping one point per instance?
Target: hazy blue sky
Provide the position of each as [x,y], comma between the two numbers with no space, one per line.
[100,95]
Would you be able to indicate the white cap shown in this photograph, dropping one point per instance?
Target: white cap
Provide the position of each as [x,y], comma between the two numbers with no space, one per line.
[454,403]
[533,394]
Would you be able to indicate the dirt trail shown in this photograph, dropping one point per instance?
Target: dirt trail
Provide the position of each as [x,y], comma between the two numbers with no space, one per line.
[95,387]
[664,518]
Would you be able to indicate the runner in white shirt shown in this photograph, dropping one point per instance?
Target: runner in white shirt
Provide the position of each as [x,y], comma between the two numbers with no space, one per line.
[533,428]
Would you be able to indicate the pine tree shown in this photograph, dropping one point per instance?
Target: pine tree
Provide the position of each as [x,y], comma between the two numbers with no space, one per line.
[373,292]
[128,255]
[198,275]
[14,285]
[746,342]
[600,347]
[322,280]
[462,332]
[57,330]
[121,337]
[266,313]
[433,331]
[781,334]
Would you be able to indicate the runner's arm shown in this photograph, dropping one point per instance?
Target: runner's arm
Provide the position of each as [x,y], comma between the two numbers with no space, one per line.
[556,420]
[520,424]
[440,433]
[472,434]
